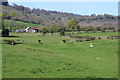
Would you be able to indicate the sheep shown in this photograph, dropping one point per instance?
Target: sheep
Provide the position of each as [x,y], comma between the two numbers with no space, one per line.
[100,58]
[91,45]
[39,41]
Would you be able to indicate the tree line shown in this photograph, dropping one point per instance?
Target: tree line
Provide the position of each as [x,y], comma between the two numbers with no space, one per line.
[73,26]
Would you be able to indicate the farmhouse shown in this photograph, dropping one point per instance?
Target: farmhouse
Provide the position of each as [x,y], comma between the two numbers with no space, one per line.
[32,30]
[20,31]
[35,30]
[29,30]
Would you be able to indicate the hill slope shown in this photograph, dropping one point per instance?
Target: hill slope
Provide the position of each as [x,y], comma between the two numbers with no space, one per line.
[46,17]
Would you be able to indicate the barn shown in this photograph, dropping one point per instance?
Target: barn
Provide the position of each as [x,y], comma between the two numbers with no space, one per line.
[35,30]
[32,30]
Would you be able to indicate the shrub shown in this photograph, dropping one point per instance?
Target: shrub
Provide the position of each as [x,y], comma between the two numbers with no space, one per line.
[5,33]
[11,42]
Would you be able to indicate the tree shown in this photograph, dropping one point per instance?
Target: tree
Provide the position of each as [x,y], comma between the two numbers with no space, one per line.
[5,33]
[72,24]
[3,23]
[53,29]
[13,14]
[99,28]
[44,31]
[94,30]
[78,28]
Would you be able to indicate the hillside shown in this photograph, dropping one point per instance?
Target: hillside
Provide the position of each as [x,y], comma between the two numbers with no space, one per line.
[20,24]
[45,17]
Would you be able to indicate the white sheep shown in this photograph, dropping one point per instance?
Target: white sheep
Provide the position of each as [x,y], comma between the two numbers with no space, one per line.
[91,45]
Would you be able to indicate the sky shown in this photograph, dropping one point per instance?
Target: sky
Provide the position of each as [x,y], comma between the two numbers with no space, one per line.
[64,0]
[82,8]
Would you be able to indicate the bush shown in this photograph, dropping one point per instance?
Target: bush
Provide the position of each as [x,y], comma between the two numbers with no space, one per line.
[11,42]
[83,38]
[113,37]
[5,33]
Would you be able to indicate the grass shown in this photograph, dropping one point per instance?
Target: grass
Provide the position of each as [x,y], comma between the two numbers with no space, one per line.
[26,24]
[102,34]
[54,59]
[0,59]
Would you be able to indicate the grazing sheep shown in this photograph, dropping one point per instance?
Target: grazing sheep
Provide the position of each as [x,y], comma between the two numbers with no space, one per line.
[100,58]
[64,41]
[97,58]
[91,45]
[39,41]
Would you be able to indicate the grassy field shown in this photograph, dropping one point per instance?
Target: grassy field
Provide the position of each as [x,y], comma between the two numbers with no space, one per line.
[54,59]
[23,23]
[101,34]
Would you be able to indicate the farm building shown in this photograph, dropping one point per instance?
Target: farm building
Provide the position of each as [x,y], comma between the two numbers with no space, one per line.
[32,30]
[35,30]
[29,30]
[20,31]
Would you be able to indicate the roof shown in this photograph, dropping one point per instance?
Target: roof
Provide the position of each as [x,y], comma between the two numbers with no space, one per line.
[27,28]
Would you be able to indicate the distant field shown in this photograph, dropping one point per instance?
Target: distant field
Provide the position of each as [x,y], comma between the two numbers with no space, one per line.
[26,24]
[98,34]
[54,59]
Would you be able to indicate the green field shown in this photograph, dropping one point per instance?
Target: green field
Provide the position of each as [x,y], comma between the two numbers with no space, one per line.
[102,34]
[54,59]
[23,23]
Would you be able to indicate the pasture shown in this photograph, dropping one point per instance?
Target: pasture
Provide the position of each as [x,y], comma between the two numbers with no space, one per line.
[54,59]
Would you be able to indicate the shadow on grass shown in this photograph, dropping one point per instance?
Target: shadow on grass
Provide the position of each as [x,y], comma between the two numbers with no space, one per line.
[10,36]
[13,44]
